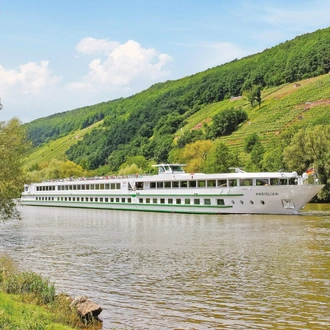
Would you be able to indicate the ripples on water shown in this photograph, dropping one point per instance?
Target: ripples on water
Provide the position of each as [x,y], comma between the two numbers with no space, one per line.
[174,271]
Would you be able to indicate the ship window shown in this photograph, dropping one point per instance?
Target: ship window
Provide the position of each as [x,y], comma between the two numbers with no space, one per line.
[123,200]
[183,184]
[87,186]
[162,201]
[117,200]
[101,199]
[187,201]
[207,201]
[160,184]
[178,200]
[64,198]
[148,200]
[197,201]
[117,185]
[129,200]
[220,202]
[78,187]
[175,184]
[170,201]
[107,186]
[92,186]
[232,183]
[106,199]
[113,186]
[97,186]
[78,199]
[74,187]
[245,182]
[192,184]
[91,199]
[161,169]
[201,183]
[140,200]
[73,199]
[252,202]
[82,187]
[154,200]
[222,183]
[139,185]
[111,200]
[152,185]
[262,182]
[167,184]
[102,186]
[70,187]
[211,183]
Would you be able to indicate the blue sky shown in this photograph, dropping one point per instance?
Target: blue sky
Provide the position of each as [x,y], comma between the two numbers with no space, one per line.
[60,55]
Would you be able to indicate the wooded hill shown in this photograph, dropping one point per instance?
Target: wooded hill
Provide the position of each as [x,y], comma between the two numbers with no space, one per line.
[164,121]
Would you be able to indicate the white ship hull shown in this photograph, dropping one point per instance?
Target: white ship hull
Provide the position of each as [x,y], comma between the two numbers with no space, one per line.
[253,193]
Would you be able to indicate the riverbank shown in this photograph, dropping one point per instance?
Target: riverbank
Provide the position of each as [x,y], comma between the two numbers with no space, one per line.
[28,301]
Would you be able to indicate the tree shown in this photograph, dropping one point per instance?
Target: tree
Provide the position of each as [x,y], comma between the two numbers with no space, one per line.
[220,159]
[194,154]
[253,95]
[310,147]
[250,141]
[13,147]
[226,122]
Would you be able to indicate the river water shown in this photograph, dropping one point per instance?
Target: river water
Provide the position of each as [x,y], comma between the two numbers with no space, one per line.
[183,271]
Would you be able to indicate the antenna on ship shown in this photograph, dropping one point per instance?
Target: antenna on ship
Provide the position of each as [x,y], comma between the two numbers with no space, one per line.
[1,105]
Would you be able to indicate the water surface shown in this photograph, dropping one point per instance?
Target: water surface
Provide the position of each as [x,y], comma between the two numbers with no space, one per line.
[183,271]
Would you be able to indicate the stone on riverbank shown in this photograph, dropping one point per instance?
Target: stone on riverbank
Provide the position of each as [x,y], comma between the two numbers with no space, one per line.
[88,310]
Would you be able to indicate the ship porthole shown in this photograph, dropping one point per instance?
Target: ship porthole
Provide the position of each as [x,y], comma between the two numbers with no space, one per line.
[262,202]
[251,202]
[241,202]
[233,202]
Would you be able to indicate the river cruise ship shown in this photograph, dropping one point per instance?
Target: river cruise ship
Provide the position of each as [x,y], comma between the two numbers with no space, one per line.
[173,190]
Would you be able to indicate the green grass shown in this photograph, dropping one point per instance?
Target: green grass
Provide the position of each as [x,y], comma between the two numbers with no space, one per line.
[16,314]
[28,301]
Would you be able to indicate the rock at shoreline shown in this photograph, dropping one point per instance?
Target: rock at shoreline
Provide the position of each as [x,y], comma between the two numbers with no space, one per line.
[88,310]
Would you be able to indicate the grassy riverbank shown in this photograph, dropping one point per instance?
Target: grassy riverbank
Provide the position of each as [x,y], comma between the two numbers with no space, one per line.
[29,302]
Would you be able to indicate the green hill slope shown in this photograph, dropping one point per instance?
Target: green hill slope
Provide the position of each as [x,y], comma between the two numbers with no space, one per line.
[149,123]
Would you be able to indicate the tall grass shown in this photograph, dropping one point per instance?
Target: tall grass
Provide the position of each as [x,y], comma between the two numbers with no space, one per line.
[28,301]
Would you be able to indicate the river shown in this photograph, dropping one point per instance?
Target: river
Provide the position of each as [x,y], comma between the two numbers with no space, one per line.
[183,271]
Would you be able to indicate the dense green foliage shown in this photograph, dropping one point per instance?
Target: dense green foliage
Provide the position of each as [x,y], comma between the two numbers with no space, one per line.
[226,122]
[143,124]
[13,147]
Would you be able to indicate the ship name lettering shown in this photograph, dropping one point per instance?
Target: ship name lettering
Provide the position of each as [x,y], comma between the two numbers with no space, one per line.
[267,193]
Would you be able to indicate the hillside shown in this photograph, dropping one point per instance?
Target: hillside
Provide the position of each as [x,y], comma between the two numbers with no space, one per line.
[151,122]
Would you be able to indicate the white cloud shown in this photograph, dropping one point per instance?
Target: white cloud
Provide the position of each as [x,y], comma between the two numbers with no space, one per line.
[122,65]
[31,78]
[91,46]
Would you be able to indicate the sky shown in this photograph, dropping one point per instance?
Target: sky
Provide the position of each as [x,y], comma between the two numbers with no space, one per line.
[60,55]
